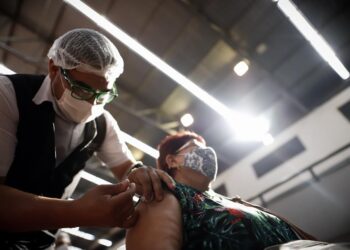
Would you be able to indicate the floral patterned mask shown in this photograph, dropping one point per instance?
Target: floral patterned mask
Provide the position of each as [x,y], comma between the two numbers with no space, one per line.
[204,160]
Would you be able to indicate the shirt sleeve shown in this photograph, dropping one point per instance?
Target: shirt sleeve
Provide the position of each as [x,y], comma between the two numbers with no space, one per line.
[113,150]
[8,124]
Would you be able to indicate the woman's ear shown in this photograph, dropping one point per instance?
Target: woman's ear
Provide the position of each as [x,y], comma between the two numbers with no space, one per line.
[171,161]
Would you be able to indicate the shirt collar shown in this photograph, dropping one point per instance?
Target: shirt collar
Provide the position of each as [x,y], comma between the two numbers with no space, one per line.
[45,94]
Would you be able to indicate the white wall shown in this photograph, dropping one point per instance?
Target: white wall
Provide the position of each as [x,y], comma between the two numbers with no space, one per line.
[321,132]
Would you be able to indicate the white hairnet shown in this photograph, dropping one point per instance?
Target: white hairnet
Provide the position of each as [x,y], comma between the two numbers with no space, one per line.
[87,51]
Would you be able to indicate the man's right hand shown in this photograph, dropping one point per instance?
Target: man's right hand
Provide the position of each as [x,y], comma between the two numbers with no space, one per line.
[108,206]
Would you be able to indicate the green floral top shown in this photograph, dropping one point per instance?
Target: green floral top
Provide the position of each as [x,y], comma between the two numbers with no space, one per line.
[211,221]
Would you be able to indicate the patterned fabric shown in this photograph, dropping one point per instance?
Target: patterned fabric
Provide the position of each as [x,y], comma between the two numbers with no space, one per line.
[211,221]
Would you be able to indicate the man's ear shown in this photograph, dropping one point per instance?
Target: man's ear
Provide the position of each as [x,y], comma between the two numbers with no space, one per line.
[53,70]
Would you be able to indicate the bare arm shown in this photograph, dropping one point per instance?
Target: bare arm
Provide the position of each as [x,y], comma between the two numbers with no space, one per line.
[105,205]
[120,171]
[159,226]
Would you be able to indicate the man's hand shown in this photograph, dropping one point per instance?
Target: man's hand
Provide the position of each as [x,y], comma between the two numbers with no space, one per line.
[109,205]
[148,182]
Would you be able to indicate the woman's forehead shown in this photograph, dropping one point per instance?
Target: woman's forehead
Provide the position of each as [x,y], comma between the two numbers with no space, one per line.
[191,143]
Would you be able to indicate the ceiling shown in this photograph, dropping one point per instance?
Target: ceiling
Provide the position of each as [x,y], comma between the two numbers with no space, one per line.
[203,40]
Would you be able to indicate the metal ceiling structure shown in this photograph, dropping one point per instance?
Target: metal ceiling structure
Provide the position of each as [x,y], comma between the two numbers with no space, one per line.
[203,40]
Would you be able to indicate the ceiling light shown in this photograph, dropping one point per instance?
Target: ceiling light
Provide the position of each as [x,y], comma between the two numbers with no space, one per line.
[76,232]
[86,236]
[93,178]
[241,68]
[261,48]
[5,70]
[140,145]
[186,120]
[250,128]
[153,59]
[105,242]
[315,39]
[267,139]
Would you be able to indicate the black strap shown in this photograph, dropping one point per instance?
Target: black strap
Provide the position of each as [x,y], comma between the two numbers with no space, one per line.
[94,134]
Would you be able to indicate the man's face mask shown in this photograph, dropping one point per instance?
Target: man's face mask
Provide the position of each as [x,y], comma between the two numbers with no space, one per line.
[78,110]
[202,159]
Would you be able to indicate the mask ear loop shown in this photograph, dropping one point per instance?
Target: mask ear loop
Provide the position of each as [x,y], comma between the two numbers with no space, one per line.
[52,89]
[172,165]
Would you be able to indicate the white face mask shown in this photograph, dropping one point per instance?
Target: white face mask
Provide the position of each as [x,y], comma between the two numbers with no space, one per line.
[78,110]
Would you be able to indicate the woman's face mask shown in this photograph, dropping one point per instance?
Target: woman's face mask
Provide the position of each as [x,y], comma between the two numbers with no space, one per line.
[202,159]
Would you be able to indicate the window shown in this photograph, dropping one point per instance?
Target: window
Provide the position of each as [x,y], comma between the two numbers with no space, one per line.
[282,154]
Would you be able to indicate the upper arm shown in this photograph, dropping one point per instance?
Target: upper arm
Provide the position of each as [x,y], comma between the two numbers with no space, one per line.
[114,151]
[159,226]
[8,124]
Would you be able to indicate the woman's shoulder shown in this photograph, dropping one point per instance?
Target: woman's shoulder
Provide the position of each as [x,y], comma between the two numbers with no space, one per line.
[166,223]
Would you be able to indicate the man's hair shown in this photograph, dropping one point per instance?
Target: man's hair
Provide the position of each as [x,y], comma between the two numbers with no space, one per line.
[170,144]
[87,51]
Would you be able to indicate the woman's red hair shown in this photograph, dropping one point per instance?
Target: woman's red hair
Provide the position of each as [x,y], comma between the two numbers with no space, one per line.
[170,144]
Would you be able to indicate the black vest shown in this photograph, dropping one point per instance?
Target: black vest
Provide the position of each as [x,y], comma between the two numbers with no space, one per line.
[34,166]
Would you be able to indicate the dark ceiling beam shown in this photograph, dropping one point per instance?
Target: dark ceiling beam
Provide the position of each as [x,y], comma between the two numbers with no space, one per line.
[29,25]
[22,56]
[143,118]
[139,34]
[14,19]
[225,35]
[53,31]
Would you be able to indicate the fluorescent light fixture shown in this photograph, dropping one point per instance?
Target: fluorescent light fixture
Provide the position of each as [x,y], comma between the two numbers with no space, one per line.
[78,233]
[249,128]
[153,59]
[105,242]
[267,139]
[140,145]
[311,34]
[93,178]
[5,70]
[241,68]
[187,120]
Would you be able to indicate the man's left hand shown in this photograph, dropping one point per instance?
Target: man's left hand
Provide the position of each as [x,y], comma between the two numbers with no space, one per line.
[148,182]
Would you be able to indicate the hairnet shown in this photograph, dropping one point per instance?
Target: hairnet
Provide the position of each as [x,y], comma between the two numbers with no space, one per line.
[87,51]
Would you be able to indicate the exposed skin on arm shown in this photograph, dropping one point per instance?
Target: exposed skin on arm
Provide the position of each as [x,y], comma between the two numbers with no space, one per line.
[121,170]
[104,205]
[159,226]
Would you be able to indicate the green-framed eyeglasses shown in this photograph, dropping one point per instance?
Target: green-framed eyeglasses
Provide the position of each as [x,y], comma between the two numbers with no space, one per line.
[83,91]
